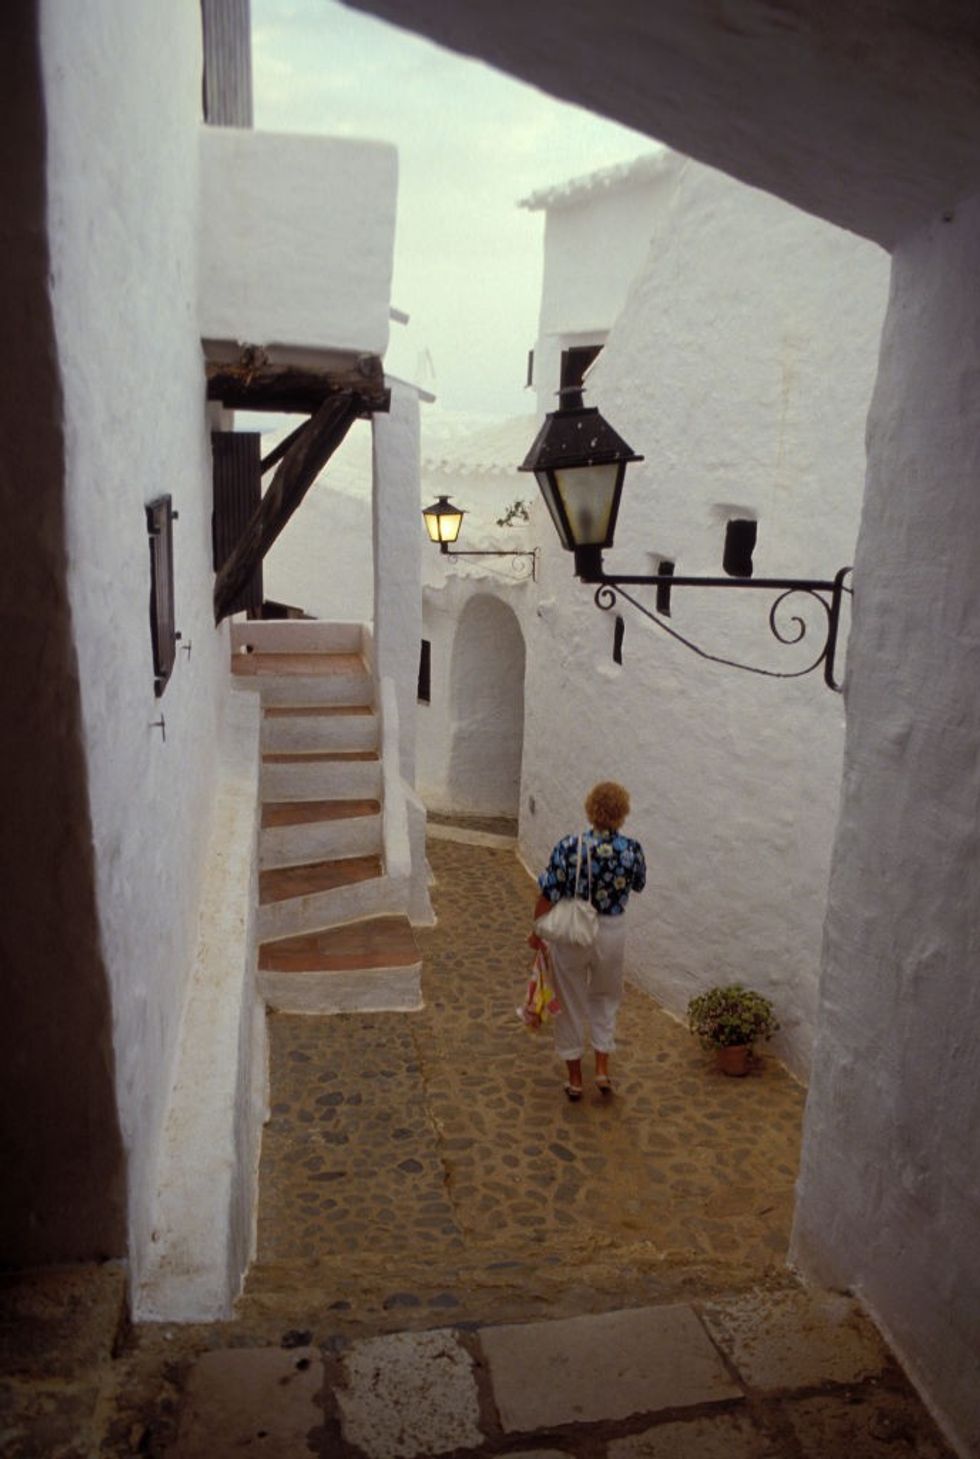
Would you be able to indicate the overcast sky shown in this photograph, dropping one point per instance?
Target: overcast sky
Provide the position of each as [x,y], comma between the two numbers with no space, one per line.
[471,143]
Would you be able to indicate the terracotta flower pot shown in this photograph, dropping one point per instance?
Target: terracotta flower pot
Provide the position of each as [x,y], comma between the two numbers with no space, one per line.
[734,1059]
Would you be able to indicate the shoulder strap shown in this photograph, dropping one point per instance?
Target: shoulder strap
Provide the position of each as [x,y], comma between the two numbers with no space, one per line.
[588,863]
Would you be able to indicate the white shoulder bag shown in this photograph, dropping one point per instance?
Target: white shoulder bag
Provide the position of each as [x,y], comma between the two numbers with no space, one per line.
[573,921]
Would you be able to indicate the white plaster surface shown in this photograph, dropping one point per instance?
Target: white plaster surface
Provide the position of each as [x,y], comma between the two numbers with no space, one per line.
[397,618]
[377,897]
[410,1393]
[123,100]
[296,237]
[320,841]
[320,732]
[597,236]
[203,1212]
[374,990]
[323,561]
[889,1194]
[740,367]
[397,846]
[605,1366]
[475,466]
[486,695]
[295,635]
[420,909]
[330,780]
[296,689]
[471,730]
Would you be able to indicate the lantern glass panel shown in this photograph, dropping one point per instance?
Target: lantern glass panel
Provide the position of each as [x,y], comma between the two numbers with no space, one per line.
[588,495]
[443,526]
[548,492]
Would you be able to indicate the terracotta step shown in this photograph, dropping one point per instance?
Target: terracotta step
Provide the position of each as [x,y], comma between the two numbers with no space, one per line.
[284,711]
[311,757]
[306,665]
[303,812]
[379,942]
[283,883]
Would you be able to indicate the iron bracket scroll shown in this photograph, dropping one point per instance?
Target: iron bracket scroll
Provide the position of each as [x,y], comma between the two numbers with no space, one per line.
[519,561]
[787,631]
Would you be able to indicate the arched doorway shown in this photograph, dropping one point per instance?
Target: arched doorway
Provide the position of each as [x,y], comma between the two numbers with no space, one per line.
[486,688]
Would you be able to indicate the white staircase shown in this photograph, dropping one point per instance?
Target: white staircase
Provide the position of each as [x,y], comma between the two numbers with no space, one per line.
[333,926]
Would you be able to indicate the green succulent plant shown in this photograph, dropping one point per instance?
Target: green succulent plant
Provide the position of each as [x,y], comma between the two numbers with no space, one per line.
[516,512]
[723,1017]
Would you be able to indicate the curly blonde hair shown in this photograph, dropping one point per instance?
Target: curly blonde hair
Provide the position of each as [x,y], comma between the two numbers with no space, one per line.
[607,805]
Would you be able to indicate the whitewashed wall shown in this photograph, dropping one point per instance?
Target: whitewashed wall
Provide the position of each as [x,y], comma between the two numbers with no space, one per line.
[596,240]
[473,615]
[323,560]
[470,733]
[741,367]
[281,262]
[889,1196]
[398,558]
[123,95]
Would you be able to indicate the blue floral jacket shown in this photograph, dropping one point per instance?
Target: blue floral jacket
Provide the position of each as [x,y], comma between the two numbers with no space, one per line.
[617,864]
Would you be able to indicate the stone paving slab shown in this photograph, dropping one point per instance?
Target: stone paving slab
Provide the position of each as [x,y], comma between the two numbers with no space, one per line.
[605,1367]
[245,1400]
[409,1394]
[795,1339]
[725,1436]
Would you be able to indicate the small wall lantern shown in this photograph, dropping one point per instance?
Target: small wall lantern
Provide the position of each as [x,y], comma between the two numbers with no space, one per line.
[580,463]
[443,521]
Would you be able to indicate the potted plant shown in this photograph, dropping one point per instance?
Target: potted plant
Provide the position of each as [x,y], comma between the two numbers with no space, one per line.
[729,1020]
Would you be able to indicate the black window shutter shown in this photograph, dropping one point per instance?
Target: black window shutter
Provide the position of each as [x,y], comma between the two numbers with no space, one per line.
[159,524]
[237,492]
[425,671]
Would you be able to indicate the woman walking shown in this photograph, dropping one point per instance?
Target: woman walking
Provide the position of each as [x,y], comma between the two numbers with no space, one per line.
[589,980]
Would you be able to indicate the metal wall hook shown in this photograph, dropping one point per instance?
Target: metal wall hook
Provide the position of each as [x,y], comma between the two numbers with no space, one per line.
[161,725]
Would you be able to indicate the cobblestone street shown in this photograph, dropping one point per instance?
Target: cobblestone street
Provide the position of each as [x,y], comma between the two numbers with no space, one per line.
[431,1158]
[454,1260]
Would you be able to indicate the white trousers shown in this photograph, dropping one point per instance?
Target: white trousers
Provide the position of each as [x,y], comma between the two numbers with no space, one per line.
[589,984]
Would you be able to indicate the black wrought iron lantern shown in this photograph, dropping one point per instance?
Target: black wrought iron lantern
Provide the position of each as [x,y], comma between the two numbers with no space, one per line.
[442,522]
[580,462]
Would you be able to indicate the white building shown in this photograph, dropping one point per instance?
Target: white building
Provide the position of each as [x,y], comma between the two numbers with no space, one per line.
[471,711]
[143,248]
[869,119]
[739,365]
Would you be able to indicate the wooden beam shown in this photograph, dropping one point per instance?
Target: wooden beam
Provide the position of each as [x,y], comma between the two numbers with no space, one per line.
[279,451]
[252,383]
[297,471]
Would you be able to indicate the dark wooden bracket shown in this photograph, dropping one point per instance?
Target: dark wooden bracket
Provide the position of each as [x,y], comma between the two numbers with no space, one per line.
[308,451]
[254,383]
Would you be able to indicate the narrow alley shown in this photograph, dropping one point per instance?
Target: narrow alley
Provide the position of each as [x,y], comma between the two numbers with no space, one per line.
[452,1259]
[421,1162]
